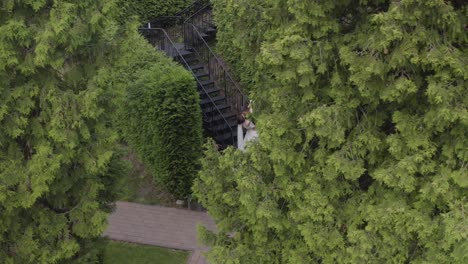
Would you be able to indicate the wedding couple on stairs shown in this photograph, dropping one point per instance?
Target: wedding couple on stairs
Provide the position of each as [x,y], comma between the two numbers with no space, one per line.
[244,123]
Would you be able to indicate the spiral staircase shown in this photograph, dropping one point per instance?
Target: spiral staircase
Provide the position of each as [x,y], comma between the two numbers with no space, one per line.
[186,37]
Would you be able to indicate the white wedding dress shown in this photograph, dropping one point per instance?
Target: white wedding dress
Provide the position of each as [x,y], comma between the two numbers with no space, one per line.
[249,136]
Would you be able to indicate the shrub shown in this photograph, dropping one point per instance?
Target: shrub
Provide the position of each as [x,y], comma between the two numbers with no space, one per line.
[163,124]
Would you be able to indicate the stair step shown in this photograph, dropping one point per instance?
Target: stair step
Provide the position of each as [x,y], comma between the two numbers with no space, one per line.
[221,107]
[210,30]
[201,74]
[209,91]
[192,60]
[197,67]
[214,99]
[179,46]
[206,84]
[232,124]
[226,116]
[224,137]
[183,53]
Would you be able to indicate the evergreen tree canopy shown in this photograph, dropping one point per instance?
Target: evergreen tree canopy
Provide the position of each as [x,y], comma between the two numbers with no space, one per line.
[362,112]
[59,63]
[148,10]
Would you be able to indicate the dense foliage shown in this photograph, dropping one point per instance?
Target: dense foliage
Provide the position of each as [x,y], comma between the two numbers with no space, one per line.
[59,89]
[362,114]
[148,10]
[163,124]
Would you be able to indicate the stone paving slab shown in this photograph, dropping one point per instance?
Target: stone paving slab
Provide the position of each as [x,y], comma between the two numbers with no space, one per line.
[159,226]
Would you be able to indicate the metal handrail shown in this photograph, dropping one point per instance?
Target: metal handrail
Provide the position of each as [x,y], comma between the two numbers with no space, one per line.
[196,78]
[220,63]
[196,3]
[197,12]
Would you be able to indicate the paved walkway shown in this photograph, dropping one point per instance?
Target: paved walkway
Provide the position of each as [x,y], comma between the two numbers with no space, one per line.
[159,226]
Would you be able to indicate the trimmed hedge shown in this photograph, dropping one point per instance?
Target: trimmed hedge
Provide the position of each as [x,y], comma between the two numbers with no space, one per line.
[164,124]
[151,9]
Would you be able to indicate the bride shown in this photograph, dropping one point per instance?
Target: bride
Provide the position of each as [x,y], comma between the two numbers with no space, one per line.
[251,134]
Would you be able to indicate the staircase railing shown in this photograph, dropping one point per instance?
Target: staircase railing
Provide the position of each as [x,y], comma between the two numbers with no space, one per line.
[162,41]
[172,25]
[202,18]
[194,41]
[193,8]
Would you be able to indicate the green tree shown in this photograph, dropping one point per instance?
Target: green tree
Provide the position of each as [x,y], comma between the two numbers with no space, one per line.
[362,114]
[59,168]
[162,121]
[148,10]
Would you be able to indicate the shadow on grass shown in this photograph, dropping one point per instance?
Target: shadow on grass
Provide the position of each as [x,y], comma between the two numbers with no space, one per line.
[129,253]
[140,187]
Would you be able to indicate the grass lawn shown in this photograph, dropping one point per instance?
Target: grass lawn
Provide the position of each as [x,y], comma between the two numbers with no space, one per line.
[127,253]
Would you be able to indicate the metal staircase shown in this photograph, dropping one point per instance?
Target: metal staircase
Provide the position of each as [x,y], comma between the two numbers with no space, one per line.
[185,38]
